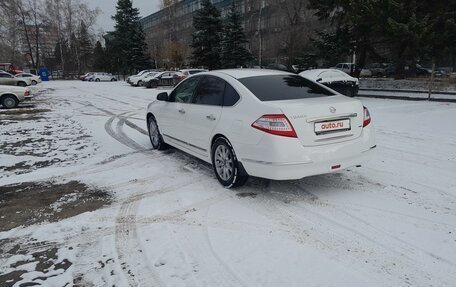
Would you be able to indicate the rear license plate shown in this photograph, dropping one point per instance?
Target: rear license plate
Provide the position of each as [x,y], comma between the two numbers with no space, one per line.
[332,126]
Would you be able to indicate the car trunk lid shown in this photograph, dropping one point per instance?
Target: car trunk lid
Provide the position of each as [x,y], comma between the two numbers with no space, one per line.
[324,120]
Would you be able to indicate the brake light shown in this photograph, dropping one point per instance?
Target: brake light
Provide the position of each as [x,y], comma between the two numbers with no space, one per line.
[276,125]
[367,117]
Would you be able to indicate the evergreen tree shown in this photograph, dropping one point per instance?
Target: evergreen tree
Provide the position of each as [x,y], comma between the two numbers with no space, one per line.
[233,51]
[129,42]
[100,62]
[207,36]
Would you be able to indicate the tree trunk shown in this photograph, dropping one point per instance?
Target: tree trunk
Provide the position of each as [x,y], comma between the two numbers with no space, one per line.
[27,36]
[431,81]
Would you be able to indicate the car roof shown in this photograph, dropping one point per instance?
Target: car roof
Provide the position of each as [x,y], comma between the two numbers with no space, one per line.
[246,73]
[184,70]
[316,73]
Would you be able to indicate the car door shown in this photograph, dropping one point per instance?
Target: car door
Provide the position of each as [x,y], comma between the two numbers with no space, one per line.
[204,113]
[10,80]
[172,116]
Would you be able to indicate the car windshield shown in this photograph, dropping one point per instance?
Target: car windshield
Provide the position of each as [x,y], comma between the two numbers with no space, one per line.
[284,87]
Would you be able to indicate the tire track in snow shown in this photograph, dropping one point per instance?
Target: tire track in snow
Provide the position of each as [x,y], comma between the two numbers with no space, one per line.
[134,262]
[398,251]
[127,140]
[309,230]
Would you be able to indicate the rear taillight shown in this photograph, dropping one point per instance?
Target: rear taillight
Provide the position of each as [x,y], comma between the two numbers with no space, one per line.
[276,125]
[367,117]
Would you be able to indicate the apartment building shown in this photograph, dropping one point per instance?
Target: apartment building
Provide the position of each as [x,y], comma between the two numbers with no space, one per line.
[273,31]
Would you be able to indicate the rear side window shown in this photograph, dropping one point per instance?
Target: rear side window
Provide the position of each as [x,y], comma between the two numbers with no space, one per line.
[210,92]
[284,87]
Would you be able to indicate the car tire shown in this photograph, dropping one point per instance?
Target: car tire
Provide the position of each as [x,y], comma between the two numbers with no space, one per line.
[153,85]
[97,80]
[155,136]
[139,84]
[113,80]
[9,102]
[226,167]
[22,84]
[34,83]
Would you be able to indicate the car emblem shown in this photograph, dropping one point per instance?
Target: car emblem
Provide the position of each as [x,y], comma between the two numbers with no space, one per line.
[332,109]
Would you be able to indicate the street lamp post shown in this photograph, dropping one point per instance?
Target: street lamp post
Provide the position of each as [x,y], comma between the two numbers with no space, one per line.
[260,39]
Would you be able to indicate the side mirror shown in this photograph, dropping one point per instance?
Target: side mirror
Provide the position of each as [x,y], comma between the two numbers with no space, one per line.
[319,80]
[162,97]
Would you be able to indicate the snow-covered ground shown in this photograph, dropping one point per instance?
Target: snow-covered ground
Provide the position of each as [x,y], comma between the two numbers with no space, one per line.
[168,222]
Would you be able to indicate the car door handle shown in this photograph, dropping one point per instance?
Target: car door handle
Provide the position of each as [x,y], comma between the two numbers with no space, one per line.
[210,117]
[182,111]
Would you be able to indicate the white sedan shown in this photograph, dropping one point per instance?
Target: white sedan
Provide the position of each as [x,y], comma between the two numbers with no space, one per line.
[10,96]
[101,77]
[144,78]
[34,78]
[262,123]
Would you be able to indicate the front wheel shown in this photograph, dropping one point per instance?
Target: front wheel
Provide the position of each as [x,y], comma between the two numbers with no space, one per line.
[9,102]
[34,82]
[226,166]
[155,137]
[97,80]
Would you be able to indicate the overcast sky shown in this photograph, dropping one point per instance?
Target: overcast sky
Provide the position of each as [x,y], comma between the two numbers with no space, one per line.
[108,8]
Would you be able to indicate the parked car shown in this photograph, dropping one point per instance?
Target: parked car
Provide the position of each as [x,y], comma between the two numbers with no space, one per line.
[10,96]
[269,124]
[35,79]
[349,67]
[144,78]
[85,76]
[188,72]
[132,78]
[280,67]
[378,69]
[101,77]
[8,79]
[149,77]
[334,79]
[167,78]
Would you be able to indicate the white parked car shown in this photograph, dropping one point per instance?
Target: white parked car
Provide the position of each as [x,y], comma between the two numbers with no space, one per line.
[11,96]
[34,78]
[8,79]
[347,68]
[140,74]
[262,123]
[140,80]
[101,77]
[188,72]
[334,79]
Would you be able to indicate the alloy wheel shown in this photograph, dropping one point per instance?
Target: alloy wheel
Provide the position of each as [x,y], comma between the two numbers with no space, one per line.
[224,163]
[154,134]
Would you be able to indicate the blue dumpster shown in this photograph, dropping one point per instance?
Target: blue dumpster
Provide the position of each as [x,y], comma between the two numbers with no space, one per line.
[44,74]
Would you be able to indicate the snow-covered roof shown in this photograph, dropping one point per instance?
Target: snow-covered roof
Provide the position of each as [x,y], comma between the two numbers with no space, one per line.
[245,73]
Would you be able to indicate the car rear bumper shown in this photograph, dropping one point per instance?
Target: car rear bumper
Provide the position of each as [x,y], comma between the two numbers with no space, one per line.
[289,160]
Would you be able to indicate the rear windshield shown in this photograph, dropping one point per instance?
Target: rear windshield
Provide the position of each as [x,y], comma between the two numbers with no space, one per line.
[284,87]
